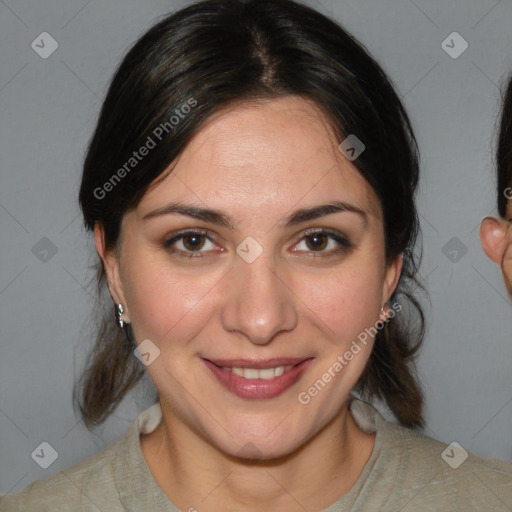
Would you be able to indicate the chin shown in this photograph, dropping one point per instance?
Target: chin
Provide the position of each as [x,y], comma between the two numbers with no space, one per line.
[263,451]
[262,448]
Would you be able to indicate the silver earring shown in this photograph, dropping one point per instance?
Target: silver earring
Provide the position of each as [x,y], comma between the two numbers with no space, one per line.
[119,310]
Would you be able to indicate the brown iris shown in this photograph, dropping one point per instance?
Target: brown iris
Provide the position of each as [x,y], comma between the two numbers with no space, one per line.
[316,244]
[197,241]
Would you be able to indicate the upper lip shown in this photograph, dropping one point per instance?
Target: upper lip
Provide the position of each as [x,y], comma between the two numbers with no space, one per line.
[257,363]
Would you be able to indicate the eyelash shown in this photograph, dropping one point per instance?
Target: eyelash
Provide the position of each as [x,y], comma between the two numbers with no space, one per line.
[344,243]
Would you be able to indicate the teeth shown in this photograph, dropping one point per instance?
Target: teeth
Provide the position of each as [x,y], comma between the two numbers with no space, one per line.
[262,373]
[251,373]
[265,373]
[238,371]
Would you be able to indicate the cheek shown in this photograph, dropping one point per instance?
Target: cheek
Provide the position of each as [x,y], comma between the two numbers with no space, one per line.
[164,300]
[345,300]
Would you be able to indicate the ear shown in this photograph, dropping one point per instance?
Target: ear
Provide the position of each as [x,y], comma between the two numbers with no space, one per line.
[111,266]
[392,276]
[493,238]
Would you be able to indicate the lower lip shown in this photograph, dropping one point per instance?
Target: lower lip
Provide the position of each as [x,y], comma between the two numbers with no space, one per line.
[257,388]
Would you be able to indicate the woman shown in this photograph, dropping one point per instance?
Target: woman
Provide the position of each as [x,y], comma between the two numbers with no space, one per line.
[250,186]
[495,234]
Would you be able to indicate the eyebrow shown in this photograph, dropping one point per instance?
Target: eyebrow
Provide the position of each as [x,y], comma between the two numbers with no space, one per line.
[218,217]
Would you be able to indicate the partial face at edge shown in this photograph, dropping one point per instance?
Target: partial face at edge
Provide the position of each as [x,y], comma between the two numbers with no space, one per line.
[496,240]
[303,297]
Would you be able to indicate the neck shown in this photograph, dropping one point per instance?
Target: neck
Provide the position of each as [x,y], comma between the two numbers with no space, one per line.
[196,475]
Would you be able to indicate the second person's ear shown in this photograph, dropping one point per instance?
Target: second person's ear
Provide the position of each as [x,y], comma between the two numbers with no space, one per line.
[493,237]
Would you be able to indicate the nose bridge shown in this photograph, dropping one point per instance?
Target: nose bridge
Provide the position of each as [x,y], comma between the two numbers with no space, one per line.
[260,304]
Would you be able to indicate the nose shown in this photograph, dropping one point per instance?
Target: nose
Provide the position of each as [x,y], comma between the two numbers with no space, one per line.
[259,304]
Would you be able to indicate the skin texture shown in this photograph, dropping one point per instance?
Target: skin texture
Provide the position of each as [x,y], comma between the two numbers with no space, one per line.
[258,163]
[496,240]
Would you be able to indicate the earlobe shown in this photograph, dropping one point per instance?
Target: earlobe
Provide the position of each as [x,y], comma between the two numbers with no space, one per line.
[493,238]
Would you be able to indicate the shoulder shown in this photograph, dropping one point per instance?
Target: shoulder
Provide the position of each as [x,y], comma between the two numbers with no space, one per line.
[87,485]
[419,473]
[99,482]
[448,474]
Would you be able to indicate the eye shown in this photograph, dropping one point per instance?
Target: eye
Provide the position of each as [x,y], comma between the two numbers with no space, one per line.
[191,243]
[318,240]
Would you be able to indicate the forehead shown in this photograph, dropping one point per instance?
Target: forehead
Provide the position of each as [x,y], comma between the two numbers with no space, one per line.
[270,154]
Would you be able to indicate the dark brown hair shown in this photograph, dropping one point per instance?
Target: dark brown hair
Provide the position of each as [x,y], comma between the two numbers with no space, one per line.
[504,151]
[214,54]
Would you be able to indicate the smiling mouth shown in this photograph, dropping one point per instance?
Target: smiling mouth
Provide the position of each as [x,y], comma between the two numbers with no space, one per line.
[258,379]
[258,373]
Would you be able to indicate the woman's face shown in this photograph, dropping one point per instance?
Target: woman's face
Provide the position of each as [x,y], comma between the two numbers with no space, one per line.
[496,240]
[506,261]
[258,290]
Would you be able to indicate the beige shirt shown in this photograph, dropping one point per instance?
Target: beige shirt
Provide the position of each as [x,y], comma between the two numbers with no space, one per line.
[406,472]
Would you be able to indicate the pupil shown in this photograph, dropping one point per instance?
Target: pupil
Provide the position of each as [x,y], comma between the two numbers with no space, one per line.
[317,245]
[193,245]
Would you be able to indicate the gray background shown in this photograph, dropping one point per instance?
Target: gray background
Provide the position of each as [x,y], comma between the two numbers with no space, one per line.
[48,109]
